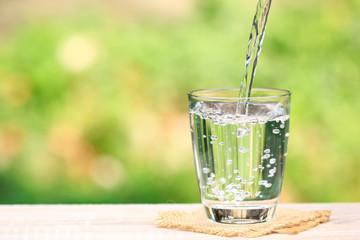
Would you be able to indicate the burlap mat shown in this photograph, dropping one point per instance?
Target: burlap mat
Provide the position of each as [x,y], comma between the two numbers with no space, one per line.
[286,221]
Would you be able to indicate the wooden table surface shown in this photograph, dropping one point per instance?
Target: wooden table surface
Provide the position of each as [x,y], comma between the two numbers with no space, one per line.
[135,221]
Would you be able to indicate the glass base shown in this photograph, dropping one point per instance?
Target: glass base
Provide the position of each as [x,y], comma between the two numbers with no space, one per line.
[240,214]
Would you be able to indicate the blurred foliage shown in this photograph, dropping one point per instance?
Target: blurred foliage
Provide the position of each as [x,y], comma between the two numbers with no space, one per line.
[93,105]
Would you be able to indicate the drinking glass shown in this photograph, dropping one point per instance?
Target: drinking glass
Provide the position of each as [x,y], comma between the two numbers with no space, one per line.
[240,148]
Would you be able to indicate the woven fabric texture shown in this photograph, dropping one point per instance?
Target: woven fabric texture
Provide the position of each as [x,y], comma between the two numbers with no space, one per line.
[286,221]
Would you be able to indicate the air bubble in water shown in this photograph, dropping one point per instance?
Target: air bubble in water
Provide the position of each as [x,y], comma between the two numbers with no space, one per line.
[238,178]
[268,185]
[229,162]
[204,136]
[212,175]
[287,134]
[243,150]
[262,121]
[222,180]
[262,182]
[276,131]
[266,156]
[235,171]
[242,131]
[272,160]
[221,143]
[214,137]
[282,125]
[254,169]
[268,165]
[247,194]
[267,151]
[211,142]
[205,170]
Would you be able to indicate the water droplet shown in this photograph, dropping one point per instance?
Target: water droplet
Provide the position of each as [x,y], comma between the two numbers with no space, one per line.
[261,196]
[272,160]
[285,154]
[235,171]
[268,185]
[205,170]
[252,177]
[282,125]
[212,175]
[222,180]
[267,151]
[276,131]
[249,183]
[214,137]
[268,165]
[211,142]
[254,169]
[272,171]
[247,194]
[204,136]
[243,181]
[243,150]
[266,156]
[229,162]
[287,134]
[221,143]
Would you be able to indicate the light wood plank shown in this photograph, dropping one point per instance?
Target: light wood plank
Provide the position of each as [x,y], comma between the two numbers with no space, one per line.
[132,221]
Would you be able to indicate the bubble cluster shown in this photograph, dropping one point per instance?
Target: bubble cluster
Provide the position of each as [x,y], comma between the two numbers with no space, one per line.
[244,153]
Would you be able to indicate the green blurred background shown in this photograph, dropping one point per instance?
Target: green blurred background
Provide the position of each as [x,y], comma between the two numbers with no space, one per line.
[93,95]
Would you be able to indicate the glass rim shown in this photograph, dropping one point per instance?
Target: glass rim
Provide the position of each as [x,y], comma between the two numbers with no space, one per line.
[282,93]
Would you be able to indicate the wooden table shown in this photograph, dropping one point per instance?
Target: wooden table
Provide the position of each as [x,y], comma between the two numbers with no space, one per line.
[131,221]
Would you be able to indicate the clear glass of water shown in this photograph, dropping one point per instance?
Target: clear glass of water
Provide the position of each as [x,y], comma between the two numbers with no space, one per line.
[240,148]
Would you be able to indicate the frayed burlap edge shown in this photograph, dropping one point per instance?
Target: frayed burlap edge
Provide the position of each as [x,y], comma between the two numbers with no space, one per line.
[286,221]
